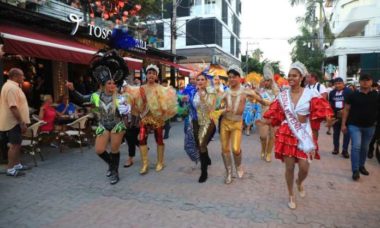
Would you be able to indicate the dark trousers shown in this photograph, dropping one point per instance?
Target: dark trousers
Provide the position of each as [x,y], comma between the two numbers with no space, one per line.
[167,129]
[374,138]
[131,136]
[336,137]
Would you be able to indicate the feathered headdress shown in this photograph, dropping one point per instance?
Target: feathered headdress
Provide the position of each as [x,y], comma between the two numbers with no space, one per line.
[108,65]
[268,72]
[153,67]
[235,70]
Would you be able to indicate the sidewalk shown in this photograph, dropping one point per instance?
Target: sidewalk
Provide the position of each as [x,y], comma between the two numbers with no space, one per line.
[70,190]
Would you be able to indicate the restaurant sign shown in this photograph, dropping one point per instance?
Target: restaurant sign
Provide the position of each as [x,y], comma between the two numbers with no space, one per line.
[100,32]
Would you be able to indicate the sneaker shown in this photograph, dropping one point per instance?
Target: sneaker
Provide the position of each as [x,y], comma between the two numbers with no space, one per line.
[345,154]
[363,171]
[335,152]
[16,173]
[328,132]
[355,175]
[21,167]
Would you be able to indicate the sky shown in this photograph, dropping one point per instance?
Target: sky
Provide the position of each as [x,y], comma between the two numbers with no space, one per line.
[268,24]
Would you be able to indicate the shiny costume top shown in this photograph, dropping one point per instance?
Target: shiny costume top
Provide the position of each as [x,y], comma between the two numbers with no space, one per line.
[107,111]
[154,103]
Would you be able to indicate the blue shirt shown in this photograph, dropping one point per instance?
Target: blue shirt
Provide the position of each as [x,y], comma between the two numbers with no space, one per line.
[70,109]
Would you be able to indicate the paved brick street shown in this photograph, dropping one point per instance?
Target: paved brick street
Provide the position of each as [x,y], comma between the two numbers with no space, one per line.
[71,190]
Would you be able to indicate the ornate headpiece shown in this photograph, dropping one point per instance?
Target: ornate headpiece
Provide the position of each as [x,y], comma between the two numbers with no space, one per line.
[235,70]
[300,67]
[268,72]
[152,67]
[108,65]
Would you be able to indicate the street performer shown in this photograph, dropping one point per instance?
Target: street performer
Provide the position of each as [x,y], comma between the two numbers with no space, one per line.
[109,70]
[268,93]
[294,111]
[155,104]
[231,124]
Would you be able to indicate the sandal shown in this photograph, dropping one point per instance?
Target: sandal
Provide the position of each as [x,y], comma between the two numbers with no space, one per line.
[128,165]
[292,203]
[301,189]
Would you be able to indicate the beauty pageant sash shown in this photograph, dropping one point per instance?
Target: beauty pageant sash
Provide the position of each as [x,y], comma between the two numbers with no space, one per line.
[305,140]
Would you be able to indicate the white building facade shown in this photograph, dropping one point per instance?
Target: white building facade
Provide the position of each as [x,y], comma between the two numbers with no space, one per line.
[208,31]
[356,49]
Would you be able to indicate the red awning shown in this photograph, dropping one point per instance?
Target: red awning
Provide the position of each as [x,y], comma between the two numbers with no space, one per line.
[23,41]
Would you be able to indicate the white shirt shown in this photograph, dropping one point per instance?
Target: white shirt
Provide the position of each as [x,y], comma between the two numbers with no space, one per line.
[322,88]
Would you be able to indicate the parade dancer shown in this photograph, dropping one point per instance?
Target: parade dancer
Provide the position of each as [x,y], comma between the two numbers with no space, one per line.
[294,111]
[109,70]
[231,123]
[249,113]
[187,97]
[268,92]
[203,125]
[155,104]
[133,128]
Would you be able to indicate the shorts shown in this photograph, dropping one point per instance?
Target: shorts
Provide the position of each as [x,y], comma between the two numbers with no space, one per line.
[14,135]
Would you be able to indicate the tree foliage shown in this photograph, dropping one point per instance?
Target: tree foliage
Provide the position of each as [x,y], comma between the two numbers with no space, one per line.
[304,50]
[255,65]
[308,47]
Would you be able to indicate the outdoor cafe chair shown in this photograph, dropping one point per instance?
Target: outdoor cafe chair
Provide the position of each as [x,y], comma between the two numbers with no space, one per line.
[76,131]
[31,141]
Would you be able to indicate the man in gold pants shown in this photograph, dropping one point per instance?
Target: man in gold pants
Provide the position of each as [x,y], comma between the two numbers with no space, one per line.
[232,123]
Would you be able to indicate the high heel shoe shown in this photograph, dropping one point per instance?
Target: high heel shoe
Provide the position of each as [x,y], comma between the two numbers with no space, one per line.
[301,189]
[292,202]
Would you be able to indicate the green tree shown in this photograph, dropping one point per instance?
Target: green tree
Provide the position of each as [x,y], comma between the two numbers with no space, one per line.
[255,65]
[304,50]
[315,31]
[257,54]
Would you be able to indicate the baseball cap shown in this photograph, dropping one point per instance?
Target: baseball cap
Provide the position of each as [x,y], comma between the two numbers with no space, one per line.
[338,80]
[365,77]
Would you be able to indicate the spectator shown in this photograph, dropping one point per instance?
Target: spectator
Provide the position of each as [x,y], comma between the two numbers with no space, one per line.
[137,82]
[14,117]
[329,89]
[351,87]
[376,135]
[65,107]
[47,114]
[38,90]
[360,115]
[312,83]
[337,98]
[90,85]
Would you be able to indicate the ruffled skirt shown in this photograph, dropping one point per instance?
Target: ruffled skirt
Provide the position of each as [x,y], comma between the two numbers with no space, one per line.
[286,145]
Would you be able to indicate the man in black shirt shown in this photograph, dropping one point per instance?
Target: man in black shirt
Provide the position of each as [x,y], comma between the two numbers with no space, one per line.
[337,98]
[359,117]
